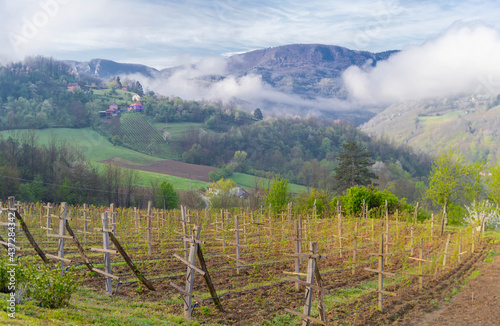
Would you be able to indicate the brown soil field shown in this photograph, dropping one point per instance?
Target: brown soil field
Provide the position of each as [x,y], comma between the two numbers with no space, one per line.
[175,168]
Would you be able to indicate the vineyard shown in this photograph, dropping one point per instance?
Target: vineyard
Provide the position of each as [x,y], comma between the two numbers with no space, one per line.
[138,134]
[244,267]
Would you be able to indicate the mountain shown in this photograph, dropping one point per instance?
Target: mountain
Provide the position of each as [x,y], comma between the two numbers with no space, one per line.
[106,69]
[303,77]
[470,124]
[304,69]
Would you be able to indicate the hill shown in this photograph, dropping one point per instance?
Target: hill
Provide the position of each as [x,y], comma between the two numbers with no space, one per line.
[306,69]
[468,123]
[106,69]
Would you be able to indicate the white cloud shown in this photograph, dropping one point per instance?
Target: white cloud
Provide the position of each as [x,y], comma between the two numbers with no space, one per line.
[123,30]
[464,59]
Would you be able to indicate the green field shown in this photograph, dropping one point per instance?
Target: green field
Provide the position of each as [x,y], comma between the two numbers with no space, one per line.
[177,129]
[97,148]
[249,181]
[122,98]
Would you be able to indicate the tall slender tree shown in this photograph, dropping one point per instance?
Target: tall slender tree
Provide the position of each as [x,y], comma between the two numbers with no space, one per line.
[354,167]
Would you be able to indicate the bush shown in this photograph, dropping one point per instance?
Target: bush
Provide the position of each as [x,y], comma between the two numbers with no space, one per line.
[352,201]
[305,202]
[48,288]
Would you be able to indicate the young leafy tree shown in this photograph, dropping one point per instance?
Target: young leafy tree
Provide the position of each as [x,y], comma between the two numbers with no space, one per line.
[278,194]
[493,182]
[354,167]
[170,196]
[452,180]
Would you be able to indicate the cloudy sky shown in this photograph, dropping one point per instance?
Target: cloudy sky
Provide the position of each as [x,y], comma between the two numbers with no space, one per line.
[166,33]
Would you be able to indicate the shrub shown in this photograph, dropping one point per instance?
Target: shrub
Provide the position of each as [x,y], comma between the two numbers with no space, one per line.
[48,288]
[352,201]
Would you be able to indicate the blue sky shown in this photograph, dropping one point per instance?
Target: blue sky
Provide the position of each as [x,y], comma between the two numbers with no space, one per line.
[166,33]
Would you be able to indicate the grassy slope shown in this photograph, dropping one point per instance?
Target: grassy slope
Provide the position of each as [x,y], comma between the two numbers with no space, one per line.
[433,127]
[88,307]
[97,148]
[250,181]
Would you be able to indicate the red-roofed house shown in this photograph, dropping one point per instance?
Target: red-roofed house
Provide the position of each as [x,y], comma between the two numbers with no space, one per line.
[73,86]
[113,106]
[136,107]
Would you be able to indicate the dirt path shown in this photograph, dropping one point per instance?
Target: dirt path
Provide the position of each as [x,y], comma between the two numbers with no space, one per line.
[477,304]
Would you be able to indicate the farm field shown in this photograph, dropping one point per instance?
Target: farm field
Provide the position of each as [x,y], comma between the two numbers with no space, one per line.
[98,150]
[252,259]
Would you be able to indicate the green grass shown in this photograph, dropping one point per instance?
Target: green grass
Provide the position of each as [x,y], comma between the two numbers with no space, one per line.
[122,98]
[249,181]
[87,307]
[178,129]
[179,183]
[95,147]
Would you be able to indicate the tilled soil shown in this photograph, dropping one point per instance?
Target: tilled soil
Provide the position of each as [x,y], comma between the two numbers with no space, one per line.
[175,168]
[476,305]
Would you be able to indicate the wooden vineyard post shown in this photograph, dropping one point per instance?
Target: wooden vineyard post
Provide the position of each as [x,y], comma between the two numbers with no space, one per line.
[191,268]
[237,240]
[355,249]
[432,225]
[380,290]
[129,262]
[107,254]
[340,234]
[12,210]
[445,254]
[195,251]
[312,272]
[415,214]
[208,280]
[460,252]
[148,228]
[237,245]
[473,240]
[61,237]
[49,219]
[85,222]
[420,265]
[311,268]
[421,260]
[79,247]
[298,250]
[136,219]
[112,216]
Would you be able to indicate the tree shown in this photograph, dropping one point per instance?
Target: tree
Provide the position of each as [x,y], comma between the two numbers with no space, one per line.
[493,183]
[452,180]
[239,160]
[278,194]
[170,196]
[257,114]
[353,168]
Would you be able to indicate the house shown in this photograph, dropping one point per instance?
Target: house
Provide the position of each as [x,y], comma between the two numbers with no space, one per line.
[235,192]
[125,88]
[136,107]
[112,111]
[136,98]
[73,86]
[113,106]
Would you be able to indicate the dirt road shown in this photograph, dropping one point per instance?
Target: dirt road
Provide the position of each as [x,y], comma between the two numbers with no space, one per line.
[477,304]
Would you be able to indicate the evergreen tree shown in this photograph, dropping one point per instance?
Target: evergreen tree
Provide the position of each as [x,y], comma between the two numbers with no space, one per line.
[257,114]
[353,168]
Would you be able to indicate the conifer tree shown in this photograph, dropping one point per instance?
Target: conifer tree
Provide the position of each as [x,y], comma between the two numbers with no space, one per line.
[353,168]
